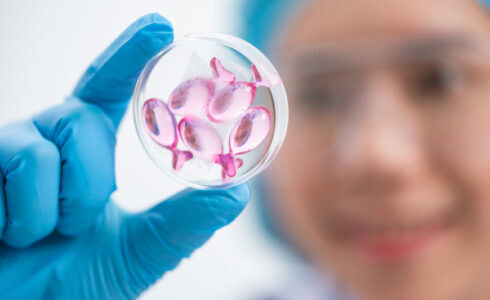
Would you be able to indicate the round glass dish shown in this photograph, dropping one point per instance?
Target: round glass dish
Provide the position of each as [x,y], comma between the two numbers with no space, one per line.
[210,110]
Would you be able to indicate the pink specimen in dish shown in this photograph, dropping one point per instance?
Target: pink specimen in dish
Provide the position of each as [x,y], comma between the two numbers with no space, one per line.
[219,72]
[233,99]
[247,133]
[230,101]
[161,127]
[221,99]
[200,137]
[250,130]
[200,97]
[191,97]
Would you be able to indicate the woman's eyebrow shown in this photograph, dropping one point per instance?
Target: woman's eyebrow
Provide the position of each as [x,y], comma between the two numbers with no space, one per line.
[316,63]
[431,47]
[312,60]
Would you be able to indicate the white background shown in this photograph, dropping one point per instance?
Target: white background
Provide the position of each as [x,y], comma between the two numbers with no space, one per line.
[46,45]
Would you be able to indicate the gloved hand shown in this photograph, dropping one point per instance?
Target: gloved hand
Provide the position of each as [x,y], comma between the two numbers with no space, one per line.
[61,236]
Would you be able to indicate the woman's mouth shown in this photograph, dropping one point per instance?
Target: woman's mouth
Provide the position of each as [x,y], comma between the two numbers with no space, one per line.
[393,241]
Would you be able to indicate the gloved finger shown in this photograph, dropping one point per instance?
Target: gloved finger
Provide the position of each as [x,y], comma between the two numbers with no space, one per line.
[3,216]
[31,167]
[156,240]
[110,80]
[86,140]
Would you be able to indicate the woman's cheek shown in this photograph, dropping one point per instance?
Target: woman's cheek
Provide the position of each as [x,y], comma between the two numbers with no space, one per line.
[302,159]
[464,151]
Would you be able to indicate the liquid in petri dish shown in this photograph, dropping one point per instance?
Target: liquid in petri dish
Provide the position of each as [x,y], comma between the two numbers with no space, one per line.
[191,97]
[225,100]
[160,126]
[210,110]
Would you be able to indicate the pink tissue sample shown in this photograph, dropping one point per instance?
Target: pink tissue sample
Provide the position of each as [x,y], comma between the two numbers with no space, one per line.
[201,101]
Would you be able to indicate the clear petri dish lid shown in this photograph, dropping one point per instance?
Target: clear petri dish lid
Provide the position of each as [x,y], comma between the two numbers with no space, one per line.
[210,110]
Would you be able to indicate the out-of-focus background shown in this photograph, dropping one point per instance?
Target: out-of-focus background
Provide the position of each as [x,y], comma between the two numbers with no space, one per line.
[46,45]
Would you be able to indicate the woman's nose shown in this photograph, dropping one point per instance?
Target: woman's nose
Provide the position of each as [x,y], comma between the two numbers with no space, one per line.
[382,145]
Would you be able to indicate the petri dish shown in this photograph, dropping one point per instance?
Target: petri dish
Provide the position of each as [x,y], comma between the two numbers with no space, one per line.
[210,110]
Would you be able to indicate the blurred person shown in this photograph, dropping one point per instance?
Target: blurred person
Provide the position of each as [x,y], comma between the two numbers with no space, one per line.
[381,185]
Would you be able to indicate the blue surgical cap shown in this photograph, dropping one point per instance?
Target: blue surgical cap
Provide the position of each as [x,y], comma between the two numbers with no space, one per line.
[263,18]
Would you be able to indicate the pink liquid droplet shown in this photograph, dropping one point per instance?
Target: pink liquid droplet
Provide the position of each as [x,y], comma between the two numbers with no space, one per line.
[194,99]
[200,137]
[204,142]
[231,101]
[219,72]
[250,130]
[160,125]
[229,163]
[260,80]
[191,97]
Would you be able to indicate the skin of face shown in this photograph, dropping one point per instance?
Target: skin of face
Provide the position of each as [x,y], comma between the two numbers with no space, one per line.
[389,189]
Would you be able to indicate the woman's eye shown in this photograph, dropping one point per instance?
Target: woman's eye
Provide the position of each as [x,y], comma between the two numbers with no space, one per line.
[323,95]
[313,95]
[438,80]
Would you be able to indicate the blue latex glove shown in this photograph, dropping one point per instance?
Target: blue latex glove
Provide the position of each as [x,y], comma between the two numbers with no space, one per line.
[62,237]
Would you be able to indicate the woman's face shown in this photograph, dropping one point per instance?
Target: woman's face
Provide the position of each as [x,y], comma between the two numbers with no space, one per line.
[384,178]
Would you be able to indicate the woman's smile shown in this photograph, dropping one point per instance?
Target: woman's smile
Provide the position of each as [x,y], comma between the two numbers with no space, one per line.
[392,241]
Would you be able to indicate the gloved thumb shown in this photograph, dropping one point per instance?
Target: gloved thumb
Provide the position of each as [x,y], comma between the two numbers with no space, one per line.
[155,241]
